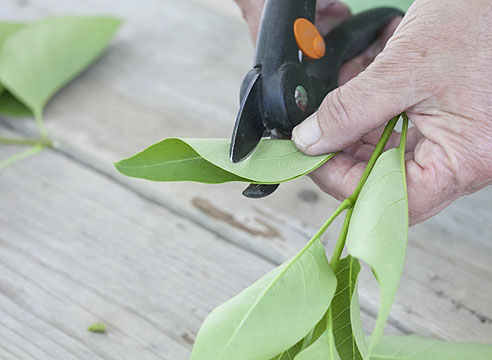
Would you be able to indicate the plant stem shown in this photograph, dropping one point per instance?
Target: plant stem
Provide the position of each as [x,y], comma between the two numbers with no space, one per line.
[20,156]
[26,141]
[378,150]
[337,253]
[38,115]
[403,141]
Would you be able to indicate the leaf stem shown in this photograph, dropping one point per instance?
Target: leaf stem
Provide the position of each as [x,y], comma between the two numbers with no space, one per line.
[337,253]
[403,141]
[378,150]
[26,141]
[38,116]
[21,156]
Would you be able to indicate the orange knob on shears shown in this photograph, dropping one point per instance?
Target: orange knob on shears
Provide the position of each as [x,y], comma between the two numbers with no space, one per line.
[309,39]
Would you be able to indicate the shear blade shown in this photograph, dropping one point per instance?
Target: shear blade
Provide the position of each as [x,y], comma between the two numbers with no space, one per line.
[249,128]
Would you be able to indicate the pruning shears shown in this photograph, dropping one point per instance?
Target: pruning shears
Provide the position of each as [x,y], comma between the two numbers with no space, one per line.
[294,68]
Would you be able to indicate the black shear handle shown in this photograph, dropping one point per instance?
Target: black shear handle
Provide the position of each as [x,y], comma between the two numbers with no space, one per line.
[344,42]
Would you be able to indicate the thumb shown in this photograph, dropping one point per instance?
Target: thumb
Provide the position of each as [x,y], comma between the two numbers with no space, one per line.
[384,90]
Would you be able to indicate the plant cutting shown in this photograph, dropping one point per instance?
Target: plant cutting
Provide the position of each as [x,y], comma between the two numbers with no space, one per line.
[307,308]
[37,59]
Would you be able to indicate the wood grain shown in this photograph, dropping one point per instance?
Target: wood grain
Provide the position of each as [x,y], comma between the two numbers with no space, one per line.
[174,70]
[77,248]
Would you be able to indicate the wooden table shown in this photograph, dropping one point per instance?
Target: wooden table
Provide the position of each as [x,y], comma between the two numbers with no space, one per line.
[79,243]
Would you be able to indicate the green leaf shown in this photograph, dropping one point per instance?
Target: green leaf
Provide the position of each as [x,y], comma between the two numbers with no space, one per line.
[379,228]
[341,307]
[8,28]
[358,6]
[417,348]
[290,353]
[271,315]
[40,58]
[322,349]
[10,106]
[207,161]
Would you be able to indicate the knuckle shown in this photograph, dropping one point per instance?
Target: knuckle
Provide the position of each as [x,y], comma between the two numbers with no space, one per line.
[333,115]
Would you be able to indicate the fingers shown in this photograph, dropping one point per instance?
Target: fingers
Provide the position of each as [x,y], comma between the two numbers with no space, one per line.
[252,10]
[361,105]
[339,176]
[431,185]
[329,13]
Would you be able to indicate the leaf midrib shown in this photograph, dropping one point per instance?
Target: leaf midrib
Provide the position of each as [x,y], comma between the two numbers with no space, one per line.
[163,163]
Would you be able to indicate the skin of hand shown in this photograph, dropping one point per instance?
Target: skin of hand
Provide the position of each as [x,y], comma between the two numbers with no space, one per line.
[437,67]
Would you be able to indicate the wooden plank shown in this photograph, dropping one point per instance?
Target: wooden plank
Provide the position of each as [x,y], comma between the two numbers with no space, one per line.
[175,70]
[77,248]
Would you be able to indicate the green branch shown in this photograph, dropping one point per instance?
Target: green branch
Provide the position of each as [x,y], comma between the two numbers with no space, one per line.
[26,141]
[21,156]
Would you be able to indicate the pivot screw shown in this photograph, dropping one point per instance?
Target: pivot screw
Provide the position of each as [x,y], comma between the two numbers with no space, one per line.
[301,97]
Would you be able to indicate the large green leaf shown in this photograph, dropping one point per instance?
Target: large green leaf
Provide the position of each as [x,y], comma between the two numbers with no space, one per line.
[417,348]
[360,5]
[8,28]
[379,228]
[207,161]
[341,307]
[40,58]
[271,315]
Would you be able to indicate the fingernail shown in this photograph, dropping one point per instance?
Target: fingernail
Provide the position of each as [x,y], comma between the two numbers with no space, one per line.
[308,132]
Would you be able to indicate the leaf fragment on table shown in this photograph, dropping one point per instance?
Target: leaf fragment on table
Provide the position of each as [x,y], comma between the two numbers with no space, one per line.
[40,58]
[412,347]
[207,161]
[271,315]
[97,328]
[379,228]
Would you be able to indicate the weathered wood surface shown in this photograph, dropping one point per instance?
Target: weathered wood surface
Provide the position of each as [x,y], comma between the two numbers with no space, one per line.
[174,69]
[77,248]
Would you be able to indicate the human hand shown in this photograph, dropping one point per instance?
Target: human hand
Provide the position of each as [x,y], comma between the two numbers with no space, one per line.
[437,68]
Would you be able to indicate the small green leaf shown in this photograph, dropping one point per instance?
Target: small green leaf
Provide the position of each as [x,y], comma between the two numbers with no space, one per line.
[207,161]
[379,228]
[361,5]
[40,58]
[341,307]
[417,348]
[271,315]
[97,328]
